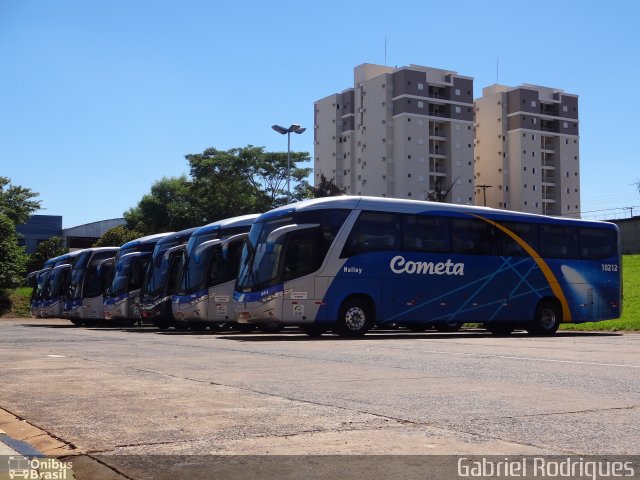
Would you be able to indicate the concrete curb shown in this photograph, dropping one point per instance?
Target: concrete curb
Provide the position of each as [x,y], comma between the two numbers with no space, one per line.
[16,447]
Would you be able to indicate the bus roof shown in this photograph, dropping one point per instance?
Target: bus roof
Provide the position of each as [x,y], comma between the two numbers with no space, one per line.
[412,206]
[181,237]
[67,257]
[240,221]
[142,240]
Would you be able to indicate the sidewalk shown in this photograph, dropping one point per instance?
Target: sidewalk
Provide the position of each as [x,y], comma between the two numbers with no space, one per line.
[19,458]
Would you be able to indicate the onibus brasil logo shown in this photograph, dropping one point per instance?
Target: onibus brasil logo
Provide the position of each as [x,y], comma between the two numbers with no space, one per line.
[38,468]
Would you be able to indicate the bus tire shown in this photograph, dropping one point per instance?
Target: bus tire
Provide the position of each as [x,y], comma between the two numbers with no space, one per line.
[500,329]
[271,328]
[418,327]
[547,319]
[313,330]
[356,317]
[449,326]
[76,322]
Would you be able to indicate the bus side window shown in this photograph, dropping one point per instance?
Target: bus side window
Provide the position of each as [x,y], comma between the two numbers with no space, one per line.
[471,236]
[597,243]
[372,232]
[559,241]
[426,234]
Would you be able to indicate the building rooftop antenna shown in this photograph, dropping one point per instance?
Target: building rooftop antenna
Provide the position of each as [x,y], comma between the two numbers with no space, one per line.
[385,50]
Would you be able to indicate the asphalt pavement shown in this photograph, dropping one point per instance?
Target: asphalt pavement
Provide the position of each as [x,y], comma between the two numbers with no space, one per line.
[109,391]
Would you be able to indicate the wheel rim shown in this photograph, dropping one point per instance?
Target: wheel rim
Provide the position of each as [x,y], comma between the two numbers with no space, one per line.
[355,318]
[547,318]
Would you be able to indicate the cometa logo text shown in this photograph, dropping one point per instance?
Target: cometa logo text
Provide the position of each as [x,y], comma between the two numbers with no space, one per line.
[399,264]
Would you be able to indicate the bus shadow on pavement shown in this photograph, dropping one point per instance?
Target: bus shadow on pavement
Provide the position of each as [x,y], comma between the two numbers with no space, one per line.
[401,335]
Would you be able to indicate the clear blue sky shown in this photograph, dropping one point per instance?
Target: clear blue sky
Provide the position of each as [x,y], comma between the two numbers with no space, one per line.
[98,99]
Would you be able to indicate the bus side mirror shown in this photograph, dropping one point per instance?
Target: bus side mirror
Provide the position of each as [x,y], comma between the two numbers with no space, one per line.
[279,232]
[234,238]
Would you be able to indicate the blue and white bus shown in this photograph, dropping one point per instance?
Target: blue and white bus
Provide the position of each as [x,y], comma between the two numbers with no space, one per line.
[161,278]
[122,296]
[83,305]
[204,291]
[37,280]
[56,285]
[348,263]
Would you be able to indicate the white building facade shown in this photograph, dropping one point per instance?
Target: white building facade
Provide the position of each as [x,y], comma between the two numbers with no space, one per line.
[527,150]
[399,132]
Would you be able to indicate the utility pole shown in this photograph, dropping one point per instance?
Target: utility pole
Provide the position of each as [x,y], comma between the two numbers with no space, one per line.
[630,210]
[484,192]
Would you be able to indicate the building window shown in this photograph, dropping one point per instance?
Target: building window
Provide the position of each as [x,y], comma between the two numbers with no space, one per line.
[533,103]
[458,92]
[565,124]
[458,110]
[420,104]
[420,86]
[565,108]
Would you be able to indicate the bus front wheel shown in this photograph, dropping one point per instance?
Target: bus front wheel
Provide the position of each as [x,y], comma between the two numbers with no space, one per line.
[547,319]
[356,317]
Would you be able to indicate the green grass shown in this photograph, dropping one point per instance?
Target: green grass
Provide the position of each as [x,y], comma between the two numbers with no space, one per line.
[19,303]
[630,320]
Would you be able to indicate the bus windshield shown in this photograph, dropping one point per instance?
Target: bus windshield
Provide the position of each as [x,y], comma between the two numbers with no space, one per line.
[128,274]
[56,282]
[43,280]
[266,262]
[157,274]
[85,281]
[192,270]
[194,276]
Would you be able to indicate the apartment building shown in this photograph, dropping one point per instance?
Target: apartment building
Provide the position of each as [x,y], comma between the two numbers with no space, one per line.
[527,150]
[399,132]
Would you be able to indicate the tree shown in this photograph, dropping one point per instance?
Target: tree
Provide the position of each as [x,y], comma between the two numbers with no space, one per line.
[50,248]
[244,180]
[168,207]
[16,202]
[221,184]
[13,260]
[116,236]
[326,188]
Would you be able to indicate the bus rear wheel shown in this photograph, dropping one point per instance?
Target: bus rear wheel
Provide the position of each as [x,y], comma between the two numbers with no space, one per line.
[356,317]
[547,320]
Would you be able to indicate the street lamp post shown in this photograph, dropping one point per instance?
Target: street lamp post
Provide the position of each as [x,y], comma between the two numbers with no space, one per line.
[295,128]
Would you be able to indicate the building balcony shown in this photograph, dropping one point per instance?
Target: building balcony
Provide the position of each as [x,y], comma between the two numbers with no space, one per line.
[548,180]
[438,152]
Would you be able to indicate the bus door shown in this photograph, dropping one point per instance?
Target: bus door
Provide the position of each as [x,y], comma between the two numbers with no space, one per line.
[302,256]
